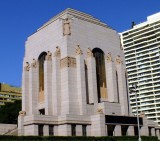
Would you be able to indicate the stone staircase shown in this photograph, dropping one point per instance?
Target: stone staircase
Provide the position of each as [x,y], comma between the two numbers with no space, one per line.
[13,132]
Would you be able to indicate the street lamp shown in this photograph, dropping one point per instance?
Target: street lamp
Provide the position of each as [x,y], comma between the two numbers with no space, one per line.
[133,89]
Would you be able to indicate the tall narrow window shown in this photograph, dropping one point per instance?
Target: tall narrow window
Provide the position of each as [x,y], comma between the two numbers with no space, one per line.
[84,131]
[40,130]
[117,86]
[100,73]
[41,60]
[86,82]
[73,129]
[51,130]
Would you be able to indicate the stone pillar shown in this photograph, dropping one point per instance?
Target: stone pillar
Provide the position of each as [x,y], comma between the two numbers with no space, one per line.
[122,86]
[64,130]
[33,89]
[92,80]
[56,85]
[78,130]
[98,127]
[106,130]
[31,130]
[46,130]
[34,130]
[69,96]
[25,89]
[20,125]
[153,131]
[81,87]
[117,130]
[144,131]
[48,87]
[111,79]
[157,133]
[130,131]
[55,130]
[88,130]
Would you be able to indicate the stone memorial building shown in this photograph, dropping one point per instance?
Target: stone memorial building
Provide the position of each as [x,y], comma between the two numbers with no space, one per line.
[74,81]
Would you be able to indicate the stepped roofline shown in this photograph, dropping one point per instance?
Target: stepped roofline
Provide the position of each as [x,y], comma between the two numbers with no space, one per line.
[76,14]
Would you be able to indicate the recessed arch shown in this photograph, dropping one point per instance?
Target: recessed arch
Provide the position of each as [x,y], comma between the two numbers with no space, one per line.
[100,73]
[41,60]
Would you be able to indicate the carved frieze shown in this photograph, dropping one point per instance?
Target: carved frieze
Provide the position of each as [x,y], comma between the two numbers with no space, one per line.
[78,50]
[68,62]
[57,53]
[49,56]
[109,58]
[27,66]
[89,53]
[119,60]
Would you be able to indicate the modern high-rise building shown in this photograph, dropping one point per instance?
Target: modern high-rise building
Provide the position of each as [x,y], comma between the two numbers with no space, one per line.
[9,93]
[142,56]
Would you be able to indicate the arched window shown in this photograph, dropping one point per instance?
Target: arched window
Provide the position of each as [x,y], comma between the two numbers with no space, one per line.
[41,60]
[100,73]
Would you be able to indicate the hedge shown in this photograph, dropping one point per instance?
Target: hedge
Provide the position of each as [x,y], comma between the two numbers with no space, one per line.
[62,138]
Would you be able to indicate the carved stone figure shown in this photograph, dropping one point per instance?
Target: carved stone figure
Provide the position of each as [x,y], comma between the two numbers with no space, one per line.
[100,110]
[57,53]
[26,68]
[49,56]
[78,50]
[119,60]
[109,58]
[34,64]
[22,113]
[89,53]
[66,27]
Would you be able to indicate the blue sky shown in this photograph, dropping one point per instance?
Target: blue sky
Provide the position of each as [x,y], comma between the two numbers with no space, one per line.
[20,18]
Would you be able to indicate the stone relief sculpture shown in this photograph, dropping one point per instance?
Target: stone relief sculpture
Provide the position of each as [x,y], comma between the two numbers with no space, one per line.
[34,64]
[49,56]
[68,62]
[57,53]
[26,68]
[109,57]
[66,27]
[78,50]
[89,53]
[119,60]
[100,110]
[22,113]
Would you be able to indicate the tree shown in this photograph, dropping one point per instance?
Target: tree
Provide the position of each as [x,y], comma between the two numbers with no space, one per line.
[9,112]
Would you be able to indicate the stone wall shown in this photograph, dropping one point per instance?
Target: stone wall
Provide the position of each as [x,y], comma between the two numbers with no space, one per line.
[6,128]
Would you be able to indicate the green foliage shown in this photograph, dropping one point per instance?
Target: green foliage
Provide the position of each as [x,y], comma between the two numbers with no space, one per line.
[61,138]
[9,112]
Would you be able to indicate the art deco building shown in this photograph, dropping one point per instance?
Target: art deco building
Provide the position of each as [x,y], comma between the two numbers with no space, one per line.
[142,55]
[74,81]
[9,93]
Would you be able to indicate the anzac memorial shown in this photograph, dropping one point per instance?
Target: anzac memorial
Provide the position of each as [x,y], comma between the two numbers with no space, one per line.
[75,82]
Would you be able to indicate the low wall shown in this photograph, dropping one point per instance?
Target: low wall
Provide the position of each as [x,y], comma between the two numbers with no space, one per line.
[6,127]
